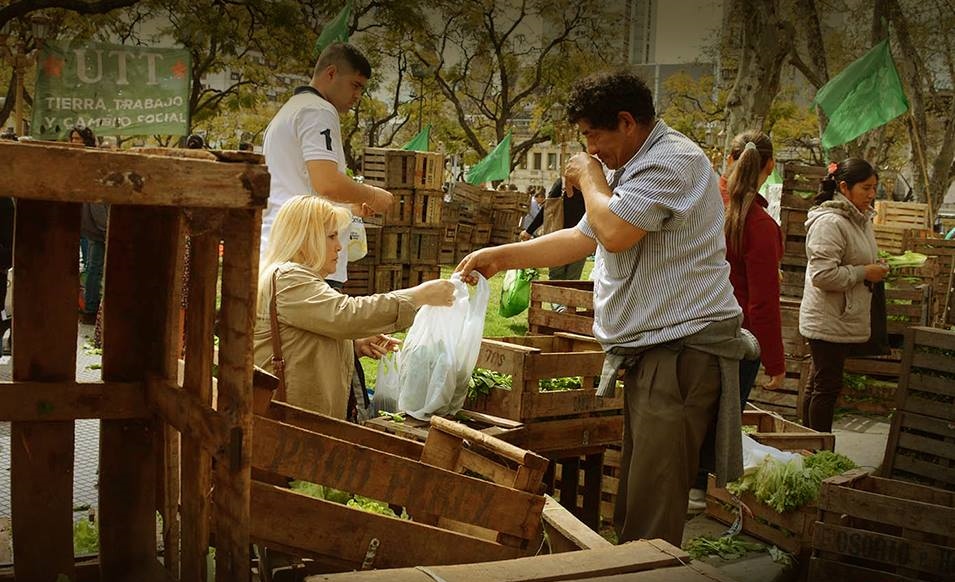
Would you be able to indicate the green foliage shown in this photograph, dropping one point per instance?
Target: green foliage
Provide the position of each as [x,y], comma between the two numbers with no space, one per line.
[726,547]
[344,498]
[785,486]
[85,538]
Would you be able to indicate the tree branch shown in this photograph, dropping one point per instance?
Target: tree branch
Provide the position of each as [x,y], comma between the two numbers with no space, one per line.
[24,7]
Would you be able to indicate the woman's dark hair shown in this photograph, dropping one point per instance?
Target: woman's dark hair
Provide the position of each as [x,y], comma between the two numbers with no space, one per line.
[851,171]
[598,99]
[751,151]
[89,140]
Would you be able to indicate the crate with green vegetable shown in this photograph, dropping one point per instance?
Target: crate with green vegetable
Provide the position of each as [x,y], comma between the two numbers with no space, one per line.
[540,377]
[921,444]
[800,185]
[943,251]
[870,528]
[577,297]
[777,498]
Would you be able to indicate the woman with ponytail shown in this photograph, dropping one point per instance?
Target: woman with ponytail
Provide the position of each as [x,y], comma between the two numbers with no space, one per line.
[842,266]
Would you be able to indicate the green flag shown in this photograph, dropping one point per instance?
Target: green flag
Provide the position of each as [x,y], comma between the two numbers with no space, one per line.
[334,31]
[496,166]
[420,142]
[867,94]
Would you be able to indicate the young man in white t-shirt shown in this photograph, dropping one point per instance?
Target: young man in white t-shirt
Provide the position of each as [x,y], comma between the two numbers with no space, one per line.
[303,143]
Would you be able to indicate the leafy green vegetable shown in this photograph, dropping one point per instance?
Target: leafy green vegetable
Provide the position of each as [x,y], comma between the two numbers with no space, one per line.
[726,547]
[785,486]
[781,557]
[483,381]
[906,259]
[85,538]
[558,384]
[392,416]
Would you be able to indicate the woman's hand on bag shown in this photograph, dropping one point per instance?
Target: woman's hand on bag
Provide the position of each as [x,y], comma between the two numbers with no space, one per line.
[439,293]
[775,382]
[876,272]
[525,235]
[375,346]
[483,261]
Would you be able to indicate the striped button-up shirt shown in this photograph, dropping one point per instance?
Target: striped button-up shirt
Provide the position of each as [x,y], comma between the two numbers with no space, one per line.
[675,281]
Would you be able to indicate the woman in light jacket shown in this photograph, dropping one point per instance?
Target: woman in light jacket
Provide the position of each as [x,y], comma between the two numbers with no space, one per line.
[322,330]
[842,264]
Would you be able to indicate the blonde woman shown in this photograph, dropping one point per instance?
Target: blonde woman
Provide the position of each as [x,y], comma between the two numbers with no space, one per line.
[320,331]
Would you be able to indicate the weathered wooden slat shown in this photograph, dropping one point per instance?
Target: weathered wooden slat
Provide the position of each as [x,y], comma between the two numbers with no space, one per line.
[197,381]
[44,332]
[188,414]
[142,283]
[233,470]
[328,461]
[49,401]
[824,569]
[284,519]
[98,175]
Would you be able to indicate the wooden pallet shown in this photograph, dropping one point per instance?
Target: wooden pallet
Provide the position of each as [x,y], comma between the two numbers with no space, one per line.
[429,170]
[943,305]
[456,518]
[428,206]
[388,168]
[902,214]
[921,445]
[529,359]
[576,296]
[641,561]
[871,528]
[395,245]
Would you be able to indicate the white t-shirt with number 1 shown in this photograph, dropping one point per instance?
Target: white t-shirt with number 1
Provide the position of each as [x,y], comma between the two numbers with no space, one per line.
[306,128]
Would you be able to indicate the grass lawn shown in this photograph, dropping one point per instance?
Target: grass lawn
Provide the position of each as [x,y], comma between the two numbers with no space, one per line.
[494,324]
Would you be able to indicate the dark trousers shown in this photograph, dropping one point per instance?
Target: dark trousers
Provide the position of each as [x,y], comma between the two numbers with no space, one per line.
[748,370]
[95,257]
[670,398]
[825,383]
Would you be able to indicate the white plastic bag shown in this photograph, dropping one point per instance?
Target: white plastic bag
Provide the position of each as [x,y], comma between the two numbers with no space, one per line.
[385,397]
[357,240]
[440,351]
[754,453]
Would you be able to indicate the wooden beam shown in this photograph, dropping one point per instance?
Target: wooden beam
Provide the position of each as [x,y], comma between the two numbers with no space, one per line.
[44,331]
[197,381]
[233,470]
[98,175]
[343,465]
[289,520]
[141,286]
[188,414]
[56,401]
[566,533]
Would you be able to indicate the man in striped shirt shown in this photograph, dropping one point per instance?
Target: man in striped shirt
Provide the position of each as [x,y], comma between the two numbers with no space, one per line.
[664,308]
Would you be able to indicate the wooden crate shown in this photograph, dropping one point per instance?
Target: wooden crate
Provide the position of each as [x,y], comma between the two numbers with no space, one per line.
[463,244]
[792,223]
[891,238]
[943,305]
[388,168]
[448,254]
[577,296]
[906,307]
[790,531]
[511,201]
[456,518]
[794,344]
[481,235]
[387,278]
[418,274]
[425,246]
[427,208]
[429,170]
[800,185]
[361,279]
[786,400]
[640,561]
[142,409]
[775,431]
[373,236]
[401,212]
[793,277]
[871,528]
[395,245]
[921,445]
[529,359]
[473,195]
[902,214]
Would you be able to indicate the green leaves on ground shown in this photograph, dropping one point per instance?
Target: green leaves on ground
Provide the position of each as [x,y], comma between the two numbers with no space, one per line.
[726,547]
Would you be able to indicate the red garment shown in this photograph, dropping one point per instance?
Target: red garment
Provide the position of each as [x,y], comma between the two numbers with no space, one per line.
[755,279]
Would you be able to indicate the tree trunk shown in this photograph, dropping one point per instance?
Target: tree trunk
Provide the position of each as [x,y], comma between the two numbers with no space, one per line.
[767,41]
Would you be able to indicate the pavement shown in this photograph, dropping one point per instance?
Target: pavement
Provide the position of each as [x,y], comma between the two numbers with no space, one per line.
[861,438]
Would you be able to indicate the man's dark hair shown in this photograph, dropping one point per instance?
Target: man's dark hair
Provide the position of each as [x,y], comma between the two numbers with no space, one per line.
[343,56]
[598,99]
[86,134]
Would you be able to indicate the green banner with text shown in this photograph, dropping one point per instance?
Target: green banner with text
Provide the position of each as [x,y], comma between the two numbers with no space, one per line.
[112,89]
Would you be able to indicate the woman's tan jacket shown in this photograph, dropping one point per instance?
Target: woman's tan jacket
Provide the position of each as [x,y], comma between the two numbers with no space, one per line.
[317,325]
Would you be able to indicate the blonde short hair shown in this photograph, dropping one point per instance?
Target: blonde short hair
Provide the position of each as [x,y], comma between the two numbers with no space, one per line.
[298,236]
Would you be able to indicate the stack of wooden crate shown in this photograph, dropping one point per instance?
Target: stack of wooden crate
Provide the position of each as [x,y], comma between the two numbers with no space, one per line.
[404,249]
[483,217]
